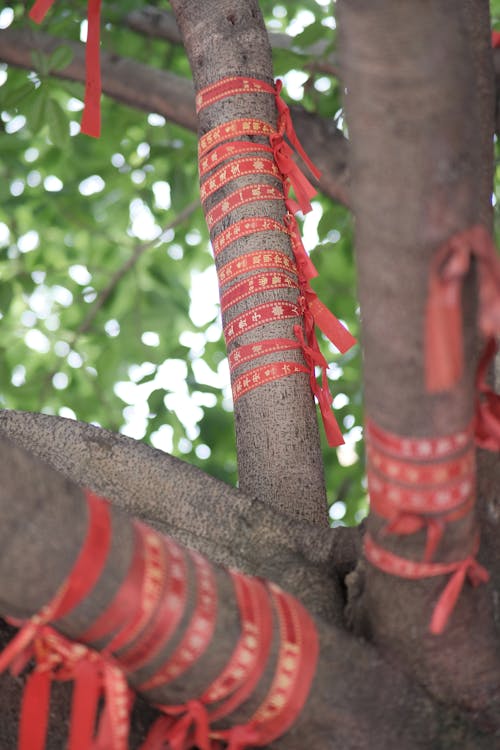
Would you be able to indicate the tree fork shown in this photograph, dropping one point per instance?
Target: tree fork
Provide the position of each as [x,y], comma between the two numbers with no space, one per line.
[413,77]
[355,694]
[184,501]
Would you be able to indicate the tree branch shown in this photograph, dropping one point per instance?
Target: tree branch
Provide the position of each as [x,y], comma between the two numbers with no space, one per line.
[152,90]
[42,525]
[279,456]
[182,500]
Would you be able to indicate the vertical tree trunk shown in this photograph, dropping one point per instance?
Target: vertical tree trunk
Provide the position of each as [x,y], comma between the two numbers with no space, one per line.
[421,150]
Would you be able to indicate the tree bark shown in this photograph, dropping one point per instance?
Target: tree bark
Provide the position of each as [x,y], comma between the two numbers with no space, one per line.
[411,76]
[355,695]
[279,456]
[181,500]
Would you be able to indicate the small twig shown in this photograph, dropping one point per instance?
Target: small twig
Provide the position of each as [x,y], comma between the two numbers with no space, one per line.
[139,249]
[118,275]
[328,67]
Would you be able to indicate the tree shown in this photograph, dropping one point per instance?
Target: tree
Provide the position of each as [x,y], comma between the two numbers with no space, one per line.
[420,114]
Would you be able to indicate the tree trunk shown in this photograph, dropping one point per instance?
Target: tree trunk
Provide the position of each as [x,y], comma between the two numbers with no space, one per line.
[419,106]
[413,78]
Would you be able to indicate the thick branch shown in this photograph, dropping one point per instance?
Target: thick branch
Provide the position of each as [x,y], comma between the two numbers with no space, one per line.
[414,78]
[152,90]
[182,500]
[355,696]
[279,456]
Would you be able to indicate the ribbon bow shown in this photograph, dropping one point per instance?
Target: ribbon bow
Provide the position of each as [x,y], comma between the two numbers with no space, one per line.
[91,119]
[409,523]
[443,335]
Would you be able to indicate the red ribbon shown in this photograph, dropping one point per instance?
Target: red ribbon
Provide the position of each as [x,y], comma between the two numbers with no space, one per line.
[283,155]
[289,689]
[180,732]
[315,358]
[58,658]
[443,334]
[406,522]
[199,631]
[410,569]
[91,119]
[487,418]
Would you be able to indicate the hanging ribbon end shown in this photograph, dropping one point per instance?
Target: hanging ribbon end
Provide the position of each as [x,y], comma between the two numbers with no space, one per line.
[443,345]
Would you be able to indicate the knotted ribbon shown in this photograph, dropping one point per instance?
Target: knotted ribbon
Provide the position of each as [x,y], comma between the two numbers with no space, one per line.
[413,570]
[57,658]
[91,118]
[94,676]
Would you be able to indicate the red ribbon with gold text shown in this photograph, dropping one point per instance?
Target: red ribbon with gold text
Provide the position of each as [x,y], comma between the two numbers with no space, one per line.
[57,658]
[91,119]
[142,617]
[247,158]
[294,672]
[422,483]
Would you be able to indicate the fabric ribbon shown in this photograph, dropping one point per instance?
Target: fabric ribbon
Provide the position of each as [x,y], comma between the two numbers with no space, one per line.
[406,522]
[59,659]
[413,570]
[213,155]
[487,418]
[443,334]
[314,358]
[283,154]
[181,728]
[91,119]
[326,321]
[305,266]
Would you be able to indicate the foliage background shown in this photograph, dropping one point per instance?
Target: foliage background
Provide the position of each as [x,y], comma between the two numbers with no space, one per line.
[149,359]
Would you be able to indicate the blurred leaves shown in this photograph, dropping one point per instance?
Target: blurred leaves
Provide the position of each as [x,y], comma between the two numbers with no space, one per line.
[73,211]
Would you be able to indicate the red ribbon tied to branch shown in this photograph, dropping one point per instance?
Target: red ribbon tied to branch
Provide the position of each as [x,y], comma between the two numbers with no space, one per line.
[443,335]
[91,119]
[283,155]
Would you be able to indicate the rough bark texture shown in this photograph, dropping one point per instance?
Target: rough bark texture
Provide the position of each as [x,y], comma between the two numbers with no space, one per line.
[355,695]
[183,501]
[279,457]
[397,111]
[419,91]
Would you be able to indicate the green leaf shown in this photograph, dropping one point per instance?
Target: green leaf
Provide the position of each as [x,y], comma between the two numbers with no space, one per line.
[315,32]
[58,123]
[14,96]
[37,112]
[60,58]
[6,295]
[41,62]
